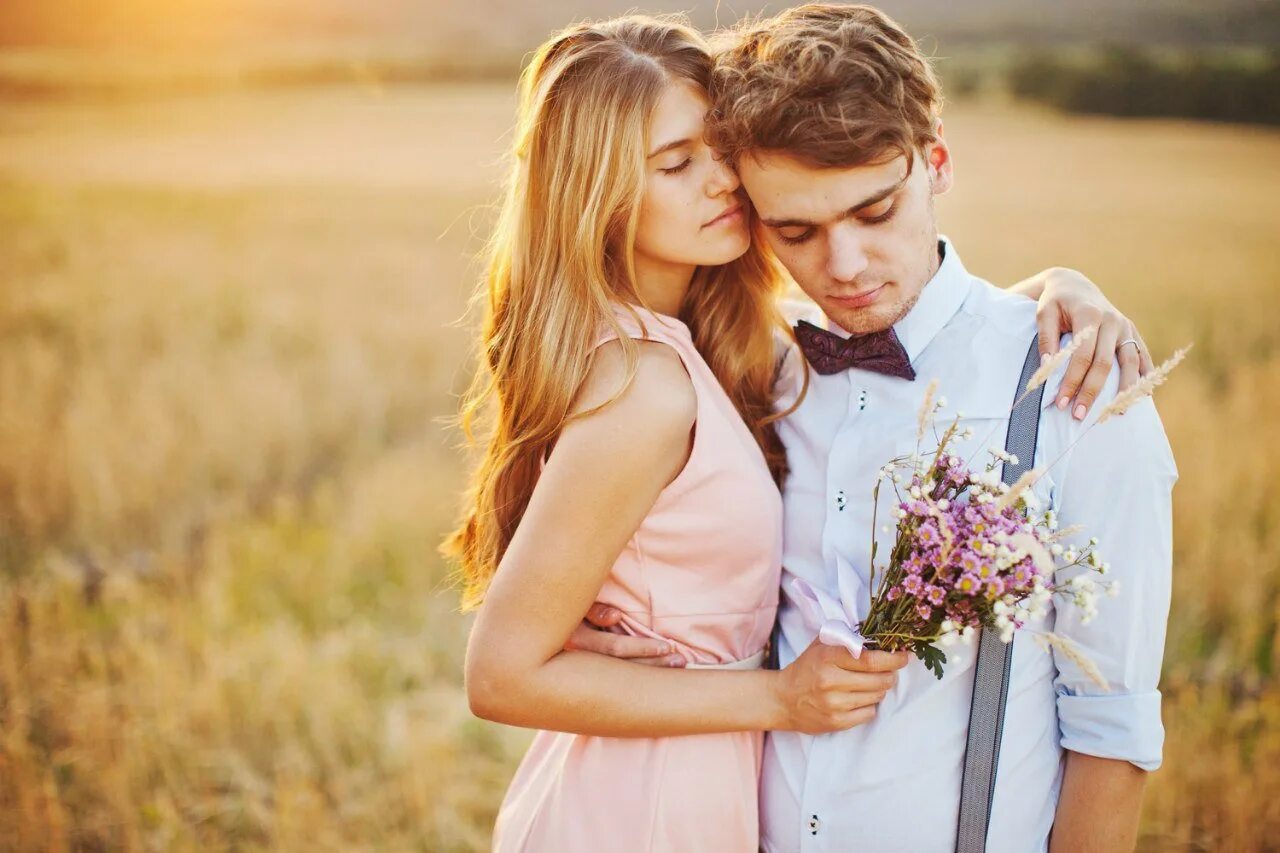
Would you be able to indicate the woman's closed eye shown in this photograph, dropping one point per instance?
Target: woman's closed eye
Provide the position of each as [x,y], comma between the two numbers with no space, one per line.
[675,170]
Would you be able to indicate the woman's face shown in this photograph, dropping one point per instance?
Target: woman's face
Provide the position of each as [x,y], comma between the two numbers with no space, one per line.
[691,212]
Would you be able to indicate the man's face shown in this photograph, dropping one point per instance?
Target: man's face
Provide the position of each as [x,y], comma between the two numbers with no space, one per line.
[862,241]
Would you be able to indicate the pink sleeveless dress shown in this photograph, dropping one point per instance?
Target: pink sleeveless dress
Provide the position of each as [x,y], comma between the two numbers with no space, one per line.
[701,571]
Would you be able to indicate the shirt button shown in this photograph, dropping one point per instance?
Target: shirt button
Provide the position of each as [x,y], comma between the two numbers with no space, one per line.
[862,399]
[813,824]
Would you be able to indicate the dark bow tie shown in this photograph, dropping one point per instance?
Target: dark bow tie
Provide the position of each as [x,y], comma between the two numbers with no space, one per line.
[880,352]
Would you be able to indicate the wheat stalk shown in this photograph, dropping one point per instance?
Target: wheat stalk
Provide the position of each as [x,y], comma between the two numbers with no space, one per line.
[926,408]
[1015,491]
[1073,653]
[1143,387]
[1063,533]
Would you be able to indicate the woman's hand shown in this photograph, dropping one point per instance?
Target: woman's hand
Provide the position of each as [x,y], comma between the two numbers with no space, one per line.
[1068,301]
[827,689]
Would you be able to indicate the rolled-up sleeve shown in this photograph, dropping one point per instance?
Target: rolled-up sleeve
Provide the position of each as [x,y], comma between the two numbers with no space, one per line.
[1117,485]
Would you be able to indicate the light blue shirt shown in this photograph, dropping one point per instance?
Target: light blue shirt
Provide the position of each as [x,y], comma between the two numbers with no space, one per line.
[894,784]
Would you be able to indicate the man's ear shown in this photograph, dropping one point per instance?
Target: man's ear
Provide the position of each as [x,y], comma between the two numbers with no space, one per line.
[938,158]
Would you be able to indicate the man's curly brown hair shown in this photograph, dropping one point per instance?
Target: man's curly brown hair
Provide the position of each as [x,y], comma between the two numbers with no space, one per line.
[832,86]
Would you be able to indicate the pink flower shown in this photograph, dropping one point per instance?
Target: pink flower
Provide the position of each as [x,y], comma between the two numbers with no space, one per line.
[935,594]
[924,610]
[969,584]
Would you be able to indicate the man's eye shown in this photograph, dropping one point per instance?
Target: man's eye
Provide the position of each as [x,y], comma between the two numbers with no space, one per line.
[880,212]
[675,170]
[793,237]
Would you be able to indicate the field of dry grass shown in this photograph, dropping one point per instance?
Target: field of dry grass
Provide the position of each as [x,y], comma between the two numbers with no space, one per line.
[224,354]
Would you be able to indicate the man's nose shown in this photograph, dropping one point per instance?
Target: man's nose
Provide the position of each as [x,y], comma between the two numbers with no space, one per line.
[847,253]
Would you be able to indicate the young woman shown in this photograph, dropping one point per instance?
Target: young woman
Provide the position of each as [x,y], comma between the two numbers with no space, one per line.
[628,357]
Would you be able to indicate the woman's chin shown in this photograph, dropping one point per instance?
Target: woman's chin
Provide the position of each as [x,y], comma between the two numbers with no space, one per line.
[726,250]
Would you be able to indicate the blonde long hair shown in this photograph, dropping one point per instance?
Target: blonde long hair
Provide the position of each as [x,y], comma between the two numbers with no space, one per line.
[562,252]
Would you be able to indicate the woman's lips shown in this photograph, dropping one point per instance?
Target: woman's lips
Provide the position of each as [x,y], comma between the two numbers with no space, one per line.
[728,216]
[860,300]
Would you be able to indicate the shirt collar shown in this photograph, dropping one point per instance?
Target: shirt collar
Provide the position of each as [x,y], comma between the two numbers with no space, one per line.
[939,301]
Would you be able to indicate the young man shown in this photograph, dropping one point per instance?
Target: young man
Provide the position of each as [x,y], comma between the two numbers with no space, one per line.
[830,115]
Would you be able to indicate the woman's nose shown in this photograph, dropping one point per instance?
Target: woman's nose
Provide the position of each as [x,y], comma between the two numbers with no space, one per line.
[723,178]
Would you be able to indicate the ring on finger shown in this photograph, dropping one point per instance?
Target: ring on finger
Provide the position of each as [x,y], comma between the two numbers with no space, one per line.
[1137,346]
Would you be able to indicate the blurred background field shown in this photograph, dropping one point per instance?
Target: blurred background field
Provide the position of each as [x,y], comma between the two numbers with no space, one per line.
[233,240]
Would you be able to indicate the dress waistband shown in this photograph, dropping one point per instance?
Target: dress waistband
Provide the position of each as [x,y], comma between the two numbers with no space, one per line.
[756,661]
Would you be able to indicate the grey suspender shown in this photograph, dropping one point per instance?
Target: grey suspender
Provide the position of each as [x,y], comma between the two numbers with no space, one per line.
[991,676]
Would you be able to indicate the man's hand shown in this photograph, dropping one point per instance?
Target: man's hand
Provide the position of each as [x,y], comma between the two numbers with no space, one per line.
[827,689]
[592,636]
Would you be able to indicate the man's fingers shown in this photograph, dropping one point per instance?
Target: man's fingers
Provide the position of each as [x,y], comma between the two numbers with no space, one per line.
[845,684]
[1050,331]
[664,660]
[1103,355]
[603,616]
[872,660]
[589,639]
[857,717]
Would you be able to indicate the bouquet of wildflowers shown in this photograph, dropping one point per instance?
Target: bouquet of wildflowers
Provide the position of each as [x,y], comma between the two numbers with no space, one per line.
[970,551]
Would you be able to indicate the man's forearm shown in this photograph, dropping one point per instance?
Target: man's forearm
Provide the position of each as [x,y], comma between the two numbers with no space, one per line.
[1099,806]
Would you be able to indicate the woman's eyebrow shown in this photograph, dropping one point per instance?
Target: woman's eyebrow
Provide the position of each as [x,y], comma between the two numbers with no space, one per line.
[670,145]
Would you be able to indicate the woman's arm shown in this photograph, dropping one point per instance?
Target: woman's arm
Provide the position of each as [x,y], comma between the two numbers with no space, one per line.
[1068,301]
[604,476]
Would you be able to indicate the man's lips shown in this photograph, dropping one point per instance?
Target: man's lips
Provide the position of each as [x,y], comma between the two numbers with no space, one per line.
[860,300]
[729,213]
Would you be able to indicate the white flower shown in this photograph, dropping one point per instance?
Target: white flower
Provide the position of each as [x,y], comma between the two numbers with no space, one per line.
[942,402]
[902,513]
[1056,549]
[1113,589]
[943,504]
[1003,622]
[948,626]
[967,633]
[1006,635]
